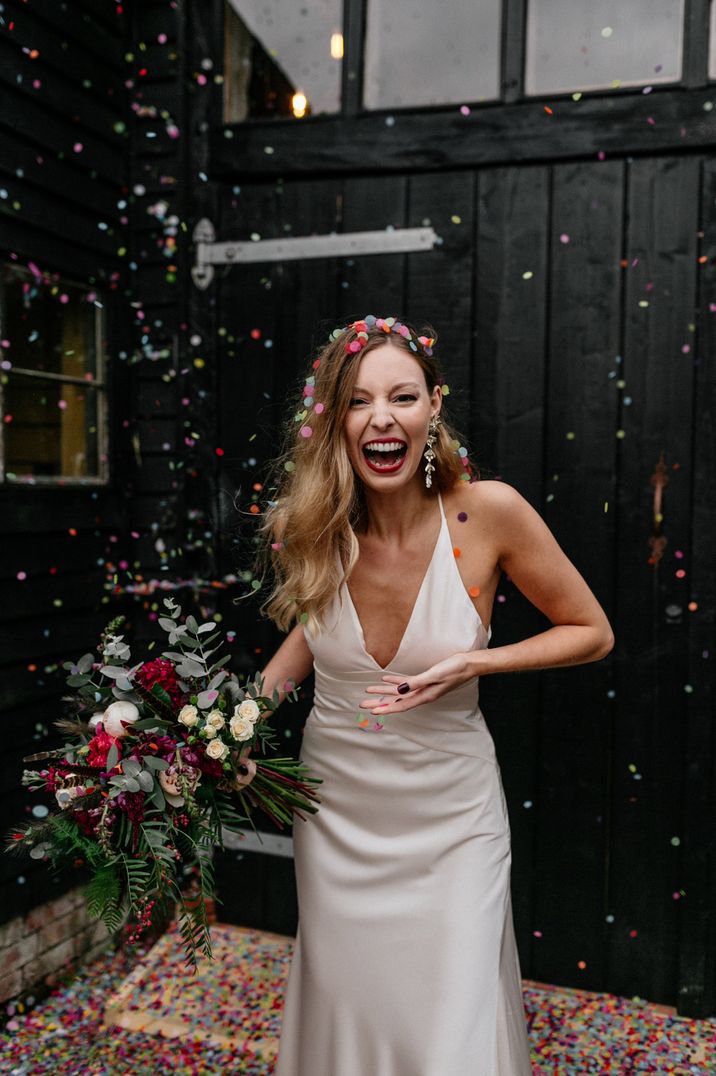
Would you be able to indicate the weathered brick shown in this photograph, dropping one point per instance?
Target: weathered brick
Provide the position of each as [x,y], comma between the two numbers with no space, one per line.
[10,984]
[17,955]
[12,931]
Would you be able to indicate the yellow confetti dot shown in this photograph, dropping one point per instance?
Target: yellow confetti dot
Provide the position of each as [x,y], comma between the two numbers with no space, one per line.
[199,363]
[571,436]
[455,219]
[527,275]
[621,434]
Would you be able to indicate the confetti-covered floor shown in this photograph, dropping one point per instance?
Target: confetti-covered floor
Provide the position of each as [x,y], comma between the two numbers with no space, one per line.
[227,1020]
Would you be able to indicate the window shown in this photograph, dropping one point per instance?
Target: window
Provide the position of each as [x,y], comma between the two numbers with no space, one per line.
[282,59]
[52,391]
[431,54]
[602,44]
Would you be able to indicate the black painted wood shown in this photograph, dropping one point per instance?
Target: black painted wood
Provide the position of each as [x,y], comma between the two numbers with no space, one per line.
[581,408]
[491,134]
[651,655]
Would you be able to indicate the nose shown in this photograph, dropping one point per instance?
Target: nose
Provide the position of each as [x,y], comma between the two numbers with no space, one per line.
[382,417]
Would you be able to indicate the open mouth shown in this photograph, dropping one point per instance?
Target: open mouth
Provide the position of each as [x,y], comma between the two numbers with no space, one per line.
[384,455]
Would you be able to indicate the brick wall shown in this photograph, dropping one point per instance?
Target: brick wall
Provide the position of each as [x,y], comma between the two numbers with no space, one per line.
[38,948]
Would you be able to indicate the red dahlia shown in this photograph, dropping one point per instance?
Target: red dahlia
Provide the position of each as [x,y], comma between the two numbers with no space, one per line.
[162,672]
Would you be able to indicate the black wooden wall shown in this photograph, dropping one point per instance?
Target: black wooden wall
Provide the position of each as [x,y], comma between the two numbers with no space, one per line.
[574,296]
[64,163]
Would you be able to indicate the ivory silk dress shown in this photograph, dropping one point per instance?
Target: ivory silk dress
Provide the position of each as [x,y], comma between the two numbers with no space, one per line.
[405,961]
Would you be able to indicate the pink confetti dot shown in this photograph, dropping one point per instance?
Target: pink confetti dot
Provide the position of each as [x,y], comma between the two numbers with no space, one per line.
[306,431]
[22,576]
[465,110]
[62,404]
[564,238]
[319,408]
[78,147]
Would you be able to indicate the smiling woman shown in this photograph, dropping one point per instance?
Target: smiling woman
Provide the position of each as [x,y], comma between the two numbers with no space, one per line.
[405,959]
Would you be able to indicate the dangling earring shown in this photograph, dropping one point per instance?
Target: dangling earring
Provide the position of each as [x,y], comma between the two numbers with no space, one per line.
[429,453]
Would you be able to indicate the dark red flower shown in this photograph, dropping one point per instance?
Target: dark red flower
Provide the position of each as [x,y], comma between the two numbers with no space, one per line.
[161,671]
[99,747]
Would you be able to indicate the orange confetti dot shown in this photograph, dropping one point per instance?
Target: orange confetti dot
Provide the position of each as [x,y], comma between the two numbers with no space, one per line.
[254,508]
[703,259]
[72,531]
[457,551]
[32,668]
[473,592]
[693,606]
[258,486]
[548,110]
[34,53]
[581,964]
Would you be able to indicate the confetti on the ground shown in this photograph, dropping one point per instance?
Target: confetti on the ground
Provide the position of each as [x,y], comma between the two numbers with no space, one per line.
[227,1018]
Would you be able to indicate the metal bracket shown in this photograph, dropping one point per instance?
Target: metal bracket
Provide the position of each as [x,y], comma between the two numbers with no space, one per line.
[344,245]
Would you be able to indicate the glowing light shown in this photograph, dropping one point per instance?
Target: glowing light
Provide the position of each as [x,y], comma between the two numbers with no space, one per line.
[337,46]
[299,104]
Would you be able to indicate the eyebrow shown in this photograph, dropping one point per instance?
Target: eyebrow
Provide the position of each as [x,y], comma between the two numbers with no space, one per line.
[400,385]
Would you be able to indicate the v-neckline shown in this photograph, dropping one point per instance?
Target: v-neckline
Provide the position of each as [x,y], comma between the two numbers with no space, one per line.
[384,668]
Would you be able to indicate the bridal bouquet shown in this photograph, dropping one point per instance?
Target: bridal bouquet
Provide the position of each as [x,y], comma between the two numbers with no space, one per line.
[155,764]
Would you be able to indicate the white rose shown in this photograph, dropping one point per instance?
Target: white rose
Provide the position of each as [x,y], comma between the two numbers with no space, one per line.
[215,720]
[241,728]
[217,749]
[95,720]
[248,709]
[209,731]
[188,716]
[115,714]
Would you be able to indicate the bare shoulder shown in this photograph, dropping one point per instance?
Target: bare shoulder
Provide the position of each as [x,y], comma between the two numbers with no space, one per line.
[489,502]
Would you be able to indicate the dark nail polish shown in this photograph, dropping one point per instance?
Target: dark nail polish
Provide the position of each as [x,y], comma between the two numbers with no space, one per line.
[402,688]
[243,769]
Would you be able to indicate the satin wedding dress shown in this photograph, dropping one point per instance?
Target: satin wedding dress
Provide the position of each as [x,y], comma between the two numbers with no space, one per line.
[405,961]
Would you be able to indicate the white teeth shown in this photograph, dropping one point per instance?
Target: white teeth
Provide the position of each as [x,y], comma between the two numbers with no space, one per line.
[384,446]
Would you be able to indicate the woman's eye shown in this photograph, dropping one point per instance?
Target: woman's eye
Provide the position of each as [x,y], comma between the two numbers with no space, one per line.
[407,396]
[355,401]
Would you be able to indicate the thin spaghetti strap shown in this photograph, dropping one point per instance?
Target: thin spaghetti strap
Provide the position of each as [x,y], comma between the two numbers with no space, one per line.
[442,510]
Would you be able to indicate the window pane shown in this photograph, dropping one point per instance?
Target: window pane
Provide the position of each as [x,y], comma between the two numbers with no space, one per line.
[419,53]
[598,44]
[50,355]
[52,431]
[50,324]
[280,56]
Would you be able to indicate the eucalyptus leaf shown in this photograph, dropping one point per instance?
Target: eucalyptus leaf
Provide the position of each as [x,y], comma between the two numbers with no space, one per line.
[220,662]
[131,767]
[153,763]
[77,681]
[157,797]
[167,624]
[192,624]
[189,667]
[146,781]
[151,723]
[206,698]
[112,757]
[203,628]
[113,672]
[131,785]
[174,655]
[216,680]
[124,684]
[85,663]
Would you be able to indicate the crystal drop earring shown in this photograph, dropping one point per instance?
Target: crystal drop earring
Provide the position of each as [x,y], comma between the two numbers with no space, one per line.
[429,453]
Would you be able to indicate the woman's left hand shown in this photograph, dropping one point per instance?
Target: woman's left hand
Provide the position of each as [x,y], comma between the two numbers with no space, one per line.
[425,687]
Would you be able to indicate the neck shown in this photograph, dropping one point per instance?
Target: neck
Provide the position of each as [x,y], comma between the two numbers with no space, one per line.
[393,516]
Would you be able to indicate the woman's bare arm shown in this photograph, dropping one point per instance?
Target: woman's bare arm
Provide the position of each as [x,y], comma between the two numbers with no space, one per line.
[290,665]
[529,553]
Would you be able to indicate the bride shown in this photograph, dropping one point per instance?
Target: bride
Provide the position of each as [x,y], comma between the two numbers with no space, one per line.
[387,557]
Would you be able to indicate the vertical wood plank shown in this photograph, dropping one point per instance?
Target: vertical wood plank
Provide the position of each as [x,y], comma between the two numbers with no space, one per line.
[581,408]
[507,430]
[696,994]
[651,704]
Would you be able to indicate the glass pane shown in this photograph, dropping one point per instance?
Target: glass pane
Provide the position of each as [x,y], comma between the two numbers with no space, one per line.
[712,46]
[602,44]
[49,324]
[51,428]
[50,352]
[282,58]
[419,53]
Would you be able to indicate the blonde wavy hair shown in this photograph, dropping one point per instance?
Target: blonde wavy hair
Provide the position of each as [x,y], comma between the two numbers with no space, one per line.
[308,532]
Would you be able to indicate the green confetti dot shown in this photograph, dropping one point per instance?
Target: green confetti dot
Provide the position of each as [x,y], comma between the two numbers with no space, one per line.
[289,465]
[303,618]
